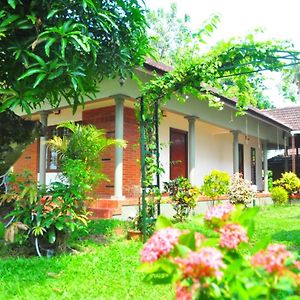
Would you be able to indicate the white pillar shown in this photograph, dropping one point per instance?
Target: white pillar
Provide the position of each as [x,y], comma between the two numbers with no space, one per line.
[119,134]
[265,158]
[192,149]
[235,151]
[42,154]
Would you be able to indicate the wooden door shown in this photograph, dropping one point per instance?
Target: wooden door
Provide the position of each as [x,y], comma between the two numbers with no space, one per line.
[178,153]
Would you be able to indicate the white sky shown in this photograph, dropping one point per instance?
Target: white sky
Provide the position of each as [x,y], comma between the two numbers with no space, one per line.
[279,19]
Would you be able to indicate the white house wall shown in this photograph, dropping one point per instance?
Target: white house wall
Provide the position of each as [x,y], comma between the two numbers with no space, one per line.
[214,149]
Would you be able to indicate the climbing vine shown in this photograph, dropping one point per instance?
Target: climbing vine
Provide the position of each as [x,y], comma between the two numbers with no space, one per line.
[233,69]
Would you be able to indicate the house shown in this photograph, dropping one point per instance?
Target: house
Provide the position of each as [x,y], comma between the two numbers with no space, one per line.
[196,138]
[289,158]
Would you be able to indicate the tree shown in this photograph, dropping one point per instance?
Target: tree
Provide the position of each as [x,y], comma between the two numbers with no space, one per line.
[171,37]
[59,50]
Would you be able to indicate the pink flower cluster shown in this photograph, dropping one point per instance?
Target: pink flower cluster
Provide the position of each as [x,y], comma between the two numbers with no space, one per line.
[161,243]
[272,259]
[183,292]
[221,212]
[232,235]
[205,263]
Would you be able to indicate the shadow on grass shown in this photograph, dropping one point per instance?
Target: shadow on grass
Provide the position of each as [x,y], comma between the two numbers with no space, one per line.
[291,236]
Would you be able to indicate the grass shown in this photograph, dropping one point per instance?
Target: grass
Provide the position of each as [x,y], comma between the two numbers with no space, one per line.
[108,270]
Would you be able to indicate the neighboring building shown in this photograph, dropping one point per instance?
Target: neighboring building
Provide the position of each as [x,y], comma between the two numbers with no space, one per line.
[289,159]
[196,138]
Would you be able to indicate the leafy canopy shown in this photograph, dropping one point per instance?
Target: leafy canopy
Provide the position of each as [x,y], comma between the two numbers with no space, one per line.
[60,49]
[233,69]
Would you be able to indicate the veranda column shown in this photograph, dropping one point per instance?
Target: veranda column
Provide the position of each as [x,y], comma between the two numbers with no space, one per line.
[235,151]
[192,149]
[265,158]
[42,156]
[294,151]
[119,134]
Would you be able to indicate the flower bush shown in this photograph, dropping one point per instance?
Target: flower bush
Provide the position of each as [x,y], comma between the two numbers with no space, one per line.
[215,184]
[183,195]
[289,181]
[240,190]
[279,195]
[222,265]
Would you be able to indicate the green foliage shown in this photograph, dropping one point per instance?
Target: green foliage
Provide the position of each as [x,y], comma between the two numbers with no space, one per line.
[237,277]
[80,162]
[171,37]
[270,180]
[215,184]
[183,195]
[49,216]
[240,191]
[279,195]
[234,68]
[289,181]
[62,49]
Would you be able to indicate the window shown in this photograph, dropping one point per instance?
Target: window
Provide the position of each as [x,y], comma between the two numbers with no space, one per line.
[241,159]
[253,165]
[52,157]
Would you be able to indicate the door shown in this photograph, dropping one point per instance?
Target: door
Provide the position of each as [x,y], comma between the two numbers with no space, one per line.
[178,153]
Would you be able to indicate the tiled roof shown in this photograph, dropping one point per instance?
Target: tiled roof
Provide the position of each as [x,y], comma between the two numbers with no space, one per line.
[150,62]
[289,116]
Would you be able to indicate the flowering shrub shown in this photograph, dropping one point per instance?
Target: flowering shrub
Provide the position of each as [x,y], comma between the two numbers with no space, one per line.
[289,181]
[279,195]
[215,184]
[240,190]
[222,267]
[183,195]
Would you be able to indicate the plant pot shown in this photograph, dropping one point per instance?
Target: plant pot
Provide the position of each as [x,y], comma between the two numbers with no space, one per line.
[135,235]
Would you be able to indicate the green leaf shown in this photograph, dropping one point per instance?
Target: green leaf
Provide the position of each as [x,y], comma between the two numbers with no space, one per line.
[49,43]
[52,237]
[2,230]
[163,222]
[181,250]
[52,13]
[30,72]
[12,3]
[188,240]
[38,59]
[59,226]
[39,79]
[9,20]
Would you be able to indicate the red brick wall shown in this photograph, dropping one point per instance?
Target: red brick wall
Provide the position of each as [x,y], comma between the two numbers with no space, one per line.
[29,160]
[131,171]
[105,118]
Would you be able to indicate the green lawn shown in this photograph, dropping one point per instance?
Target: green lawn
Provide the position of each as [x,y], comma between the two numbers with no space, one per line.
[107,271]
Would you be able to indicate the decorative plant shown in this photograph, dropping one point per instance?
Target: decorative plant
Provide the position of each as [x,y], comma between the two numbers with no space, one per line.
[215,184]
[240,190]
[48,218]
[279,195]
[289,181]
[183,196]
[80,162]
[223,264]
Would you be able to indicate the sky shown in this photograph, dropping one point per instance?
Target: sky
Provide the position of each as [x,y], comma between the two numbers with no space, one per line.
[279,20]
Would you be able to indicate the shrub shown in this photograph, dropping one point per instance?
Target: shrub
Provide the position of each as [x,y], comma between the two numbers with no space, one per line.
[279,195]
[289,181]
[223,266]
[240,190]
[80,152]
[183,195]
[49,218]
[215,184]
